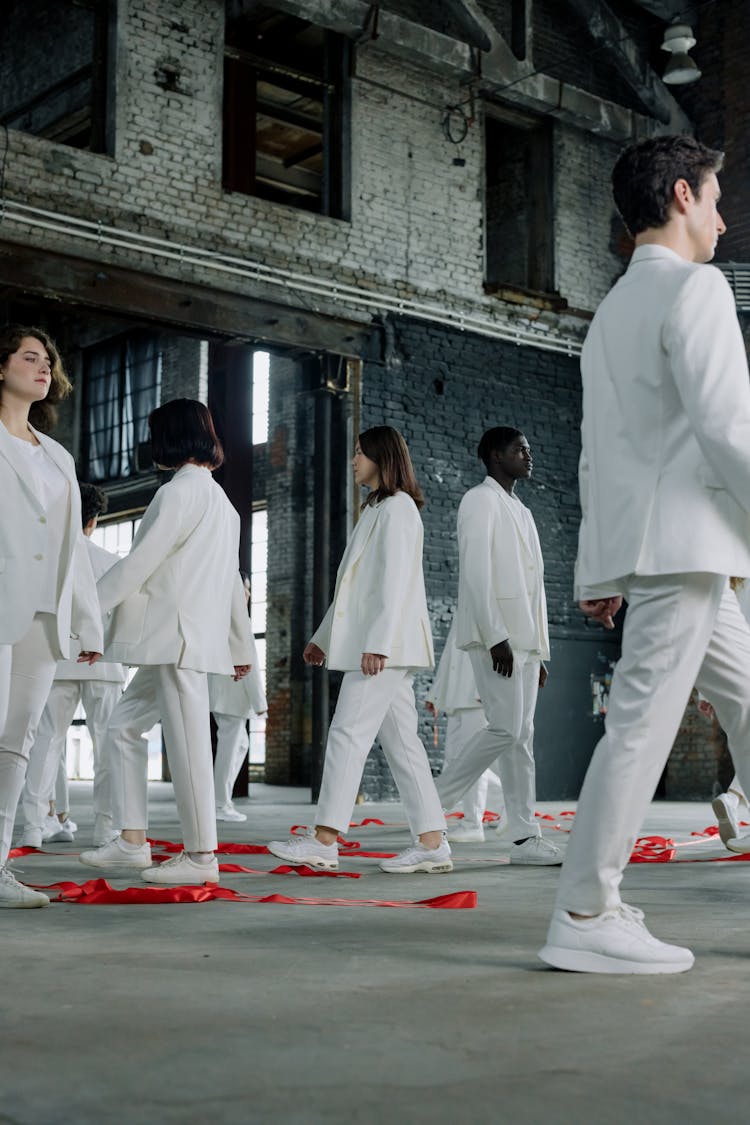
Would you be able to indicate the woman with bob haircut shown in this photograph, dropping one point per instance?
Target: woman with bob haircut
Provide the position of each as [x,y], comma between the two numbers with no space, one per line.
[377,632]
[175,607]
[47,590]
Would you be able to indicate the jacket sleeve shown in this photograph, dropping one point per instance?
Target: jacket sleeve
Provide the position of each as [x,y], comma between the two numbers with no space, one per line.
[322,635]
[707,356]
[475,531]
[86,619]
[241,640]
[396,541]
[162,528]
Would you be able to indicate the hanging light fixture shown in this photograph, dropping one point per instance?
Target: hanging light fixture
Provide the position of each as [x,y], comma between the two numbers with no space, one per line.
[681,69]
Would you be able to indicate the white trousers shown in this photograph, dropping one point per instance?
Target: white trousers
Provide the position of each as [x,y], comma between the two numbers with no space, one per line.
[29,672]
[680,630]
[47,756]
[232,744]
[379,706]
[461,727]
[179,698]
[509,703]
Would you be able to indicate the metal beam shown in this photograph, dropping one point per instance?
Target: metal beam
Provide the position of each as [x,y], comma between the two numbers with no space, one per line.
[616,44]
[669,10]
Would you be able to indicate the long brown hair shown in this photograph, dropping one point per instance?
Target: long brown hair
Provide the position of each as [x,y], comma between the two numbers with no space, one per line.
[42,415]
[387,448]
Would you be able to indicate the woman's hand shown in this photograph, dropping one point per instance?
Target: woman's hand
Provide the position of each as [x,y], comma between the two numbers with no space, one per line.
[88,658]
[372,663]
[240,671]
[313,655]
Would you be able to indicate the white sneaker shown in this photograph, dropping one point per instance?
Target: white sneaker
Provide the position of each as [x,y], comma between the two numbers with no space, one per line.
[32,837]
[50,826]
[181,869]
[299,850]
[536,851]
[741,844]
[16,896]
[229,812]
[70,823]
[65,833]
[104,832]
[466,834]
[725,811]
[435,861]
[115,855]
[614,942]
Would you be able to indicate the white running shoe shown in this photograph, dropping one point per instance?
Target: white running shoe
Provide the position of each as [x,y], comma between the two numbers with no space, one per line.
[115,855]
[50,826]
[299,850]
[466,834]
[181,869]
[435,861]
[616,941]
[65,833]
[741,844]
[32,838]
[229,812]
[16,896]
[536,852]
[725,811]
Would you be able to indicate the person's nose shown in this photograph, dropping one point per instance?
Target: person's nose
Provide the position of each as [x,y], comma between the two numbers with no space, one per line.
[721,226]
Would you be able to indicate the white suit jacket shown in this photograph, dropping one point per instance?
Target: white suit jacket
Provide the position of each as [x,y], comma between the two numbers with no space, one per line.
[227,696]
[379,603]
[665,462]
[501,573]
[23,544]
[101,561]
[454,687]
[177,597]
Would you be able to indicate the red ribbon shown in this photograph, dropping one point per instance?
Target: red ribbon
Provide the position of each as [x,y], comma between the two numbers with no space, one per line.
[98,892]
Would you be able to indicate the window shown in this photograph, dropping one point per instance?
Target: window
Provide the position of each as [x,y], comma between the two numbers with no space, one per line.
[122,379]
[54,71]
[261,369]
[258,605]
[286,111]
[518,204]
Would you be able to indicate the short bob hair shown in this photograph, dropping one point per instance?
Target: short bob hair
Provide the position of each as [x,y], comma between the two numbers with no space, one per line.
[644,176]
[42,415]
[183,430]
[387,448]
[496,440]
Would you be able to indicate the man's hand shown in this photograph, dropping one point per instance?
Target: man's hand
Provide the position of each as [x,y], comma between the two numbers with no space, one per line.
[502,658]
[706,709]
[88,658]
[543,674]
[240,671]
[431,709]
[602,610]
[313,655]
[372,663]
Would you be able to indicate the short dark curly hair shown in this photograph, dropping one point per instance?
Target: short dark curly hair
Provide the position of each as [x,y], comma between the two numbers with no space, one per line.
[93,502]
[644,176]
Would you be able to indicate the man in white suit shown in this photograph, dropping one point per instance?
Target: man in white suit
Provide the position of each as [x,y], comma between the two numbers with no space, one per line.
[501,620]
[665,495]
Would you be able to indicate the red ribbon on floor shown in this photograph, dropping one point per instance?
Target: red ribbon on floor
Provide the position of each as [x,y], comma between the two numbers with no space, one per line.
[653,849]
[98,892]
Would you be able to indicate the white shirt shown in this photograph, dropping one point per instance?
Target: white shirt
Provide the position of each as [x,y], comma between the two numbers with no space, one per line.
[52,490]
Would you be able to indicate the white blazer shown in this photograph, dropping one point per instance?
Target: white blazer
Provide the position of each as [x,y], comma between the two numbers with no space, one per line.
[500,573]
[177,597]
[23,544]
[240,698]
[454,687]
[101,561]
[379,603]
[665,462]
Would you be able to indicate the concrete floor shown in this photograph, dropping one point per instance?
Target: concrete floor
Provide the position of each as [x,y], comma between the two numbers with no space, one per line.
[297,1015]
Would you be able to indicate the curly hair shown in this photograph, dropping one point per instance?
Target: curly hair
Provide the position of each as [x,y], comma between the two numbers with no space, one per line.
[644,176]
[42,415]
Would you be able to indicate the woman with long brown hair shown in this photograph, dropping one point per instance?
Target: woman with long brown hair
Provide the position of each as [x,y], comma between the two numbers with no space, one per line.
[377,632]
[47,589]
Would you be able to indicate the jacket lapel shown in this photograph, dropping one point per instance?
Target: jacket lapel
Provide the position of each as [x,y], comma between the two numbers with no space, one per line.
[11,455]
[513,509]
[359,539]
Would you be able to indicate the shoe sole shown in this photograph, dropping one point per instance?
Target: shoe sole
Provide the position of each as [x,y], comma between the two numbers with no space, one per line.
[115,865]
[536,862]
[307,861]
[178,882]
[727,829]
[24,905]
[580,961]
[428,868]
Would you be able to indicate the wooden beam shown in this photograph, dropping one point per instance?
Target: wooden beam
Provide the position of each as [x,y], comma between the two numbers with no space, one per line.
[162,300]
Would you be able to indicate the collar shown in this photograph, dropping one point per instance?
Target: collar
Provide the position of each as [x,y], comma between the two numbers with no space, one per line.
[498,488]
[653,251]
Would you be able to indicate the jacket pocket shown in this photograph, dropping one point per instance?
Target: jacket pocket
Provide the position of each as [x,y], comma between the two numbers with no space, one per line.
[129,620]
